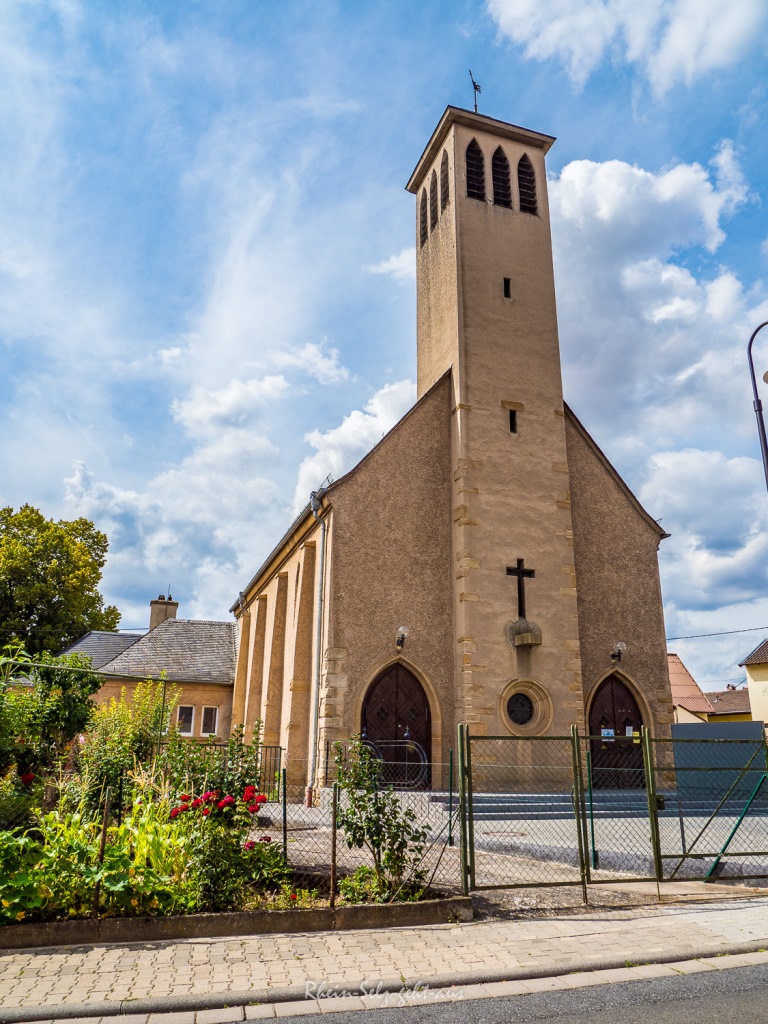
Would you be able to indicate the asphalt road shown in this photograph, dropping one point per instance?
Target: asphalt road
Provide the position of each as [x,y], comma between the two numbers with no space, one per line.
[735,996]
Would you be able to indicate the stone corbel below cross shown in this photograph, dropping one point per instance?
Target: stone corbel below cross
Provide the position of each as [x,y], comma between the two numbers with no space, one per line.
[521,632]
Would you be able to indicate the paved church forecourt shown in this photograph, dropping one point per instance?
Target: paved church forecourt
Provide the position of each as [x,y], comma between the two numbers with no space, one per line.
[211,981]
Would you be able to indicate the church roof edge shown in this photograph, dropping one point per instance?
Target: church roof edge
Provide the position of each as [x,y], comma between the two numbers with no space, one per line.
[306,512]
[468,118]
[614,472]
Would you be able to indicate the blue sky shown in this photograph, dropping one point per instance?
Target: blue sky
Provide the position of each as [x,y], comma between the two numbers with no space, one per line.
[207,300]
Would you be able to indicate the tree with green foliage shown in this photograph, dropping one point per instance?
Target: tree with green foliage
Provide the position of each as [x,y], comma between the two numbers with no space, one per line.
[49,577]
[45,702]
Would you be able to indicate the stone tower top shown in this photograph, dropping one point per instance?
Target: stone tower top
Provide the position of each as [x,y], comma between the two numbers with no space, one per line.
[478,123]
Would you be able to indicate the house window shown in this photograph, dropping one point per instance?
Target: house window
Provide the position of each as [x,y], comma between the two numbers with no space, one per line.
[210,722]
[185,719]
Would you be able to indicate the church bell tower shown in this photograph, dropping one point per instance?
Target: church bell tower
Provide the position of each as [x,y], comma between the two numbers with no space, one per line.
[486,312]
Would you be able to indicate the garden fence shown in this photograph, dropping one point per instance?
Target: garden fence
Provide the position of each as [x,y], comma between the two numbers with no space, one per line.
[574,810]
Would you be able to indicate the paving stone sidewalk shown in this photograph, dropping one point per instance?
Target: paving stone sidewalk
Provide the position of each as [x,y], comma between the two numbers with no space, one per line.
[278,967]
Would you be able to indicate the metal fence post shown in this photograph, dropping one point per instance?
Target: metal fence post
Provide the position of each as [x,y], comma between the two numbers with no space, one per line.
[653,806]
[470,809]
[450,798]
[284,801]
[578,807]
[463,812]
[334,814]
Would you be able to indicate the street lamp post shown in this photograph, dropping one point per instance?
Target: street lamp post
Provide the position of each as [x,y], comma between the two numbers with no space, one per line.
[758,405]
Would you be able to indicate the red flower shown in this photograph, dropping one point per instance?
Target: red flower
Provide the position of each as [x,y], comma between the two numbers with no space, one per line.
[210,795]
[253,808]
[261,799]
[266,839]
[175,812]
[184,807]
[249,793]
[196,803]
[294,896]
[206,811]
[249,845]
[28,778]
[185,797]
[226,802]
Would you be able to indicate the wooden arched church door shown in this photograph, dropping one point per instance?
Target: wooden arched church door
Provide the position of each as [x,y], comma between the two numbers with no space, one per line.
[396,721]
[615,721]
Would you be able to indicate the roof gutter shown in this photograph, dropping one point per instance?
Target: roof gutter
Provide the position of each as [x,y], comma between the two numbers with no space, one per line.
[316,504]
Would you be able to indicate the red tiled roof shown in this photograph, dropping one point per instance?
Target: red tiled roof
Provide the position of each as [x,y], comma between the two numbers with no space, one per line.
[730,702]
[758,657]
[686,692]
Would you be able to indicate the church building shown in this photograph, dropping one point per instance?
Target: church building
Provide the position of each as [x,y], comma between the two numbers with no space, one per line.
[484,563]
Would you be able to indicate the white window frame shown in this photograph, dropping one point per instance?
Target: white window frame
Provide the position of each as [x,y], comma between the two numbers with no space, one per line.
[192,724]
[215,709]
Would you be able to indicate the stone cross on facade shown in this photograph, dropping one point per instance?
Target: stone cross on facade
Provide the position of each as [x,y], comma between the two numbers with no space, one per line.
[522,574]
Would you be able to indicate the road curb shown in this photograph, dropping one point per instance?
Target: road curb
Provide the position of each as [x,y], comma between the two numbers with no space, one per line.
[363,987]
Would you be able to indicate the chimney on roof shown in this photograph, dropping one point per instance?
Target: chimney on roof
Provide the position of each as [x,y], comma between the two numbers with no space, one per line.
[162,609]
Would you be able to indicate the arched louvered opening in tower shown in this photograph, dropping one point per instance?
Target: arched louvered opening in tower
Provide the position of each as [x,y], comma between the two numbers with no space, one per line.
[526,183]
[502,187]
[433,201]
[475,172]
[423,222]
[444,192]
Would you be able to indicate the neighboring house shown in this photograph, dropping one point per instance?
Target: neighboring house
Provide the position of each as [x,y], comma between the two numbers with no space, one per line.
[484,563]
[690,701]
[756,667]
[731,705]
[102,646]
[197,656]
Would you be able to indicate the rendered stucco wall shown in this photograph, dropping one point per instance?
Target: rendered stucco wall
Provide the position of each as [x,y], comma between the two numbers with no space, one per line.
[617,575]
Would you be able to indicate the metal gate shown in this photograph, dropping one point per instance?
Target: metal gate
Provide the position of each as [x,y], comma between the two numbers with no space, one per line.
[543,811]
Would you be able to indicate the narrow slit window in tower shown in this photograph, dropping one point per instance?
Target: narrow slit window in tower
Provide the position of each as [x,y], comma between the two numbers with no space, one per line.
[433,201]
[423,222]
[513,421]
[526,183]
[502,189]
[507,287]
[475,172]
[444,193]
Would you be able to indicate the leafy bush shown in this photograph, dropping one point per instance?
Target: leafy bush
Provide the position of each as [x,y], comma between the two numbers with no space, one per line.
[373,819]
[228,862]
[45,702]
[124,732]
[161,859]
[189,765]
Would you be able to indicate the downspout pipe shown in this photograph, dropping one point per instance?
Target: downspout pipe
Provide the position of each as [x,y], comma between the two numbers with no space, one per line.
[757,404]
[316,503]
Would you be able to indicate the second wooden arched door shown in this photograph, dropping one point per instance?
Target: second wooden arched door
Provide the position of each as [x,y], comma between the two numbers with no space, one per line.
[616,751]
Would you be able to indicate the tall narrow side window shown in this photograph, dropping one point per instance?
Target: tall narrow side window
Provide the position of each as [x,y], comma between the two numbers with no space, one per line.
[475,172]
[423,221]
[444,192]
[502,188]
[433,201]
[526,183]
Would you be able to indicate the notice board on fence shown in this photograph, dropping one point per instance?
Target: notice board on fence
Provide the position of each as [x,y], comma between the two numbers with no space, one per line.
[706,771]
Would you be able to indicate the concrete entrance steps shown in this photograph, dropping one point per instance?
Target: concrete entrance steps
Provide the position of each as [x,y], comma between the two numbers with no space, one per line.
[603,804]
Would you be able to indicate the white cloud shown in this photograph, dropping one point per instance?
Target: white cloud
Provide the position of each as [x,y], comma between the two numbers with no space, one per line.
[401,266]
[321,362]
[239,403]
[671,41]
[338,449]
